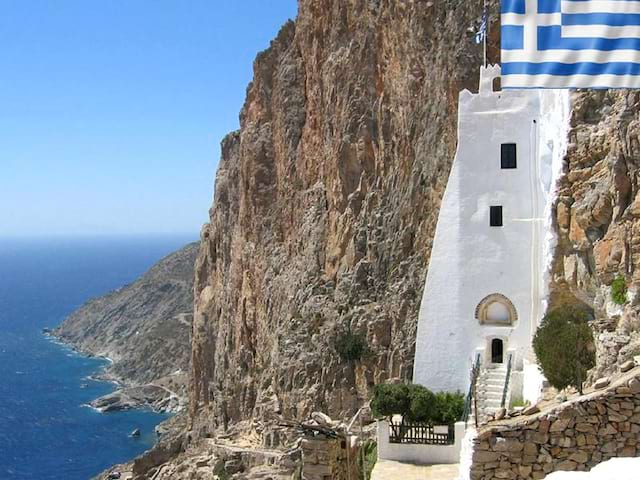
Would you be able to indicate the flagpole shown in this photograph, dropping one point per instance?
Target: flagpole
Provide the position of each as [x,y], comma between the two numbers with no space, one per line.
[484,13]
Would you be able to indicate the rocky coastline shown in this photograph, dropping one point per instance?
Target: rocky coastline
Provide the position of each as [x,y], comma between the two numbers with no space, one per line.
[143,331]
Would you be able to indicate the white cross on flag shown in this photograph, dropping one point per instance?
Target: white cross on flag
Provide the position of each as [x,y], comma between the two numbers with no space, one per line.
[570,43]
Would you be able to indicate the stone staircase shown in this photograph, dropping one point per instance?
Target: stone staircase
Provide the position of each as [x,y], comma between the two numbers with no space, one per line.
[489,388]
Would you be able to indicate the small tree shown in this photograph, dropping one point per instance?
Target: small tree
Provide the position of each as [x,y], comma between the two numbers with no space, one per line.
[563,345]
[423,404]
[389,400]
[417,403]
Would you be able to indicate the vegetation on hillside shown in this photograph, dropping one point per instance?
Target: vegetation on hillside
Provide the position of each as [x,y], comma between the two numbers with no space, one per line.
[619,290]
[352,347]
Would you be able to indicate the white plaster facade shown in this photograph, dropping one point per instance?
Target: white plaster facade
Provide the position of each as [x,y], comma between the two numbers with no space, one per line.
[471,260]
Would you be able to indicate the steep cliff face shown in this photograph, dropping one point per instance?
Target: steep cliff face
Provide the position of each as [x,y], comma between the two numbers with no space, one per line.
[598,219]
[325,207]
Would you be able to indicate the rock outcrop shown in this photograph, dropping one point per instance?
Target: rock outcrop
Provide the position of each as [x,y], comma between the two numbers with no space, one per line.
[144,328]
[598,221]
[326,203]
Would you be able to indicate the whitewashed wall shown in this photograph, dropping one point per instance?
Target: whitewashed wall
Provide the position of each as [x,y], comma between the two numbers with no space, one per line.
[419,454]
[470,259]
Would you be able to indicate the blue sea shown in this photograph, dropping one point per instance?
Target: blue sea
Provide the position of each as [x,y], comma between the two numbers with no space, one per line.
[45,431]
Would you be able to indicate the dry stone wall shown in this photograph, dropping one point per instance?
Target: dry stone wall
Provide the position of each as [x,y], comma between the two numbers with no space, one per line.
[576,435]
[324,458]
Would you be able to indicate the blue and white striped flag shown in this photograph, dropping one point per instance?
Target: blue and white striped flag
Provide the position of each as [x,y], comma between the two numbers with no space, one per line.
[570,43]
[481,34]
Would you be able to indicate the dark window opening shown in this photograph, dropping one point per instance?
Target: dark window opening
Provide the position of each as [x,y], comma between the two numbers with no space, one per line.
[508,157]
[497,350]
[495,216]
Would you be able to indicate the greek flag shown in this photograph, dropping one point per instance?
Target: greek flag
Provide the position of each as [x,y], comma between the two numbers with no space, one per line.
[481,34]
[570,43]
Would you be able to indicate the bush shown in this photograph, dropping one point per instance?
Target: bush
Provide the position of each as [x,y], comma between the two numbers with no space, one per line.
[449,408]
[389,400]
[422,405]
[351,347]
[564,347]
[619,290]
[417,403]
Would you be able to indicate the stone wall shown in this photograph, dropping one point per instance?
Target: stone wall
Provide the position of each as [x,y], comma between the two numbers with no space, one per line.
[575,435]
[329,458]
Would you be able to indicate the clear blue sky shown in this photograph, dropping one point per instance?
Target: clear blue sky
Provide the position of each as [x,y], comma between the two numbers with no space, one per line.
[112,111]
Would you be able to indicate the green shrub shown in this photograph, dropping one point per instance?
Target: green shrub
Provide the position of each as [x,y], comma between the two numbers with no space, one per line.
[449,408]
[351,347]
[564,347]
[417,403]
[389,400]
[422,405]
[619,290]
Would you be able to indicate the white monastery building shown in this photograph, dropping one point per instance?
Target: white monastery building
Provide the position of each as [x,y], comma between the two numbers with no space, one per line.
[485,291]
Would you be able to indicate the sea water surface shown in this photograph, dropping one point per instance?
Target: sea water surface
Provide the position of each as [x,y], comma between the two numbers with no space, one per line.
[46,432]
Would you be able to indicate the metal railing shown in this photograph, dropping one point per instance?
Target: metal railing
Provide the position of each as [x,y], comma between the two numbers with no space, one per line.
[475,372]
[505,391]
[420,434]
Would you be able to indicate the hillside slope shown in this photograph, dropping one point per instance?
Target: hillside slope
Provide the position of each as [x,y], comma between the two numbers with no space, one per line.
[144,328]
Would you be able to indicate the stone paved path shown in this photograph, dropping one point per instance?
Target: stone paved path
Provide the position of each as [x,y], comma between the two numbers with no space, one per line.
[388,470]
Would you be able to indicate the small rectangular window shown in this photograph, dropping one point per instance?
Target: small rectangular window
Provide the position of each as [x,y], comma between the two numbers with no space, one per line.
[495,216]
[508,158]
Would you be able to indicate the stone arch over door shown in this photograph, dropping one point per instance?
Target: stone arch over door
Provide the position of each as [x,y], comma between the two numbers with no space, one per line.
[496,309]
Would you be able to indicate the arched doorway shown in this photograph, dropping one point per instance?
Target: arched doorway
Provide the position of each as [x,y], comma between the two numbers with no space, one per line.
[497,351]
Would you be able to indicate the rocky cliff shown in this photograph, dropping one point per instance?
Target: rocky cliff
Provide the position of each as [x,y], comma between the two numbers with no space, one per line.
[326,202]
[598,220]
[325,208]
[144,328]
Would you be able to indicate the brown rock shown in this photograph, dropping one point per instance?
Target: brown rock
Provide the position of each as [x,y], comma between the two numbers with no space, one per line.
[601,383]
[508,445]
[544,426]
[628,365]
[628,452]
[525,470]
[485,457]
[530,448]
[634,385]
[567,465]
[579,457]
[559,425]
